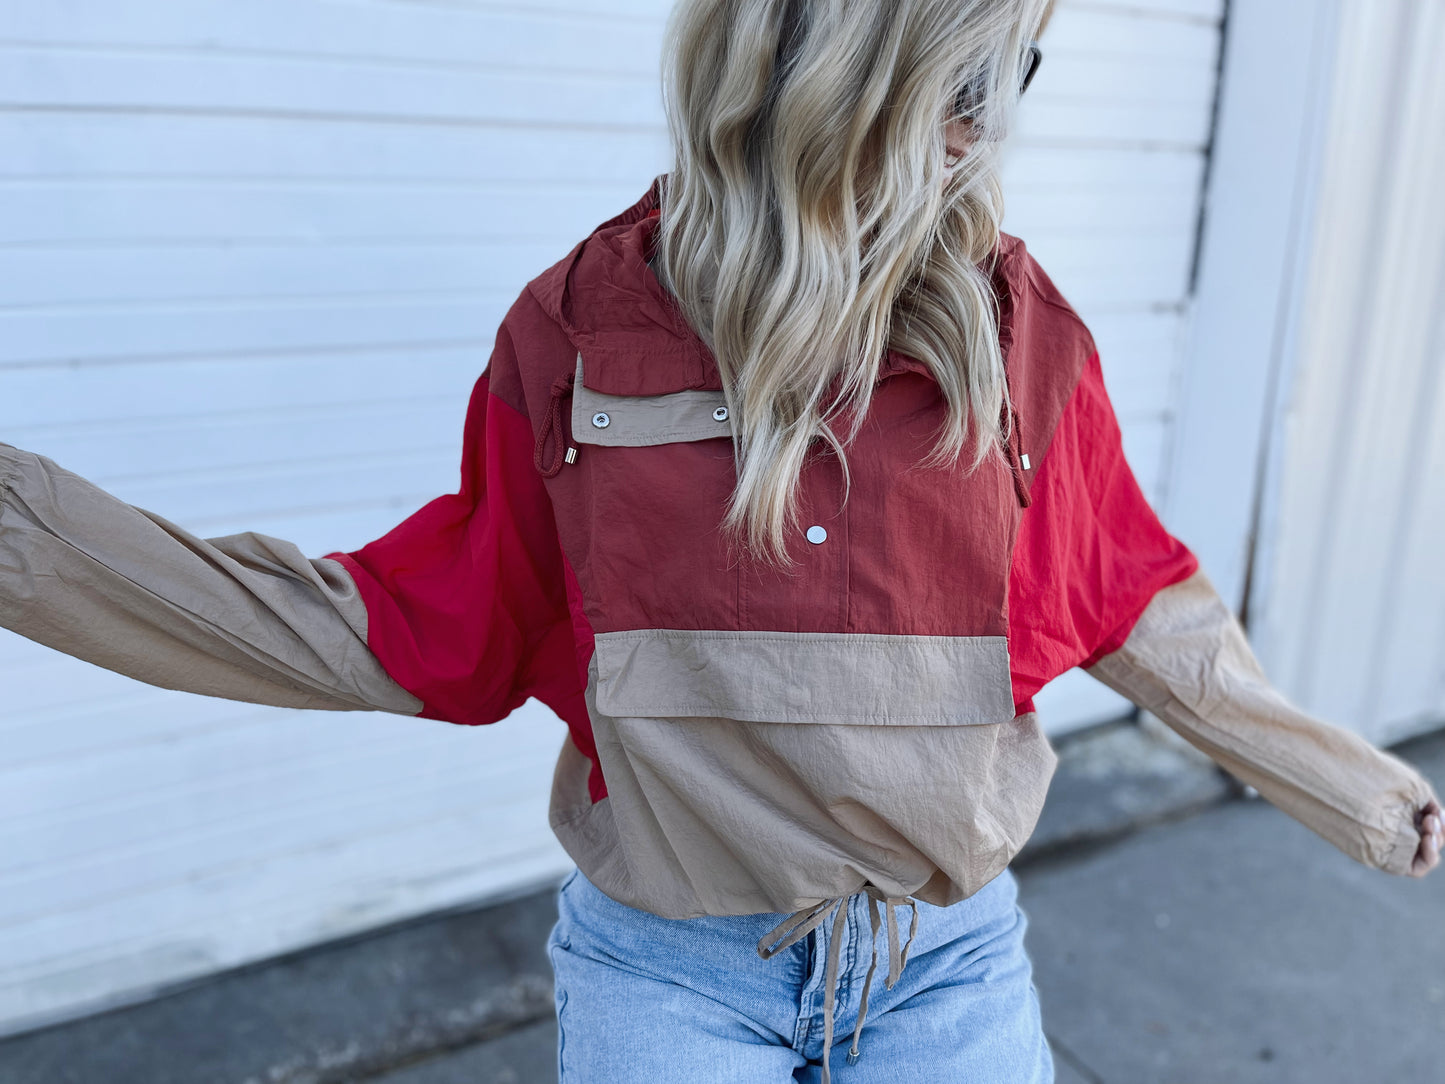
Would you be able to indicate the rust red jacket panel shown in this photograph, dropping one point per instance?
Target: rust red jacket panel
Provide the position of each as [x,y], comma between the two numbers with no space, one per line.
[494,594]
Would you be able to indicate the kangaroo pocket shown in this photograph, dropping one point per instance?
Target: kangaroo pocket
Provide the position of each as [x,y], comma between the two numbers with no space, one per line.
[763,771]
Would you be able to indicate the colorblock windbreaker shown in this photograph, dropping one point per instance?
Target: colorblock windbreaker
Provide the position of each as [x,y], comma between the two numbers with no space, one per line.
[740,739]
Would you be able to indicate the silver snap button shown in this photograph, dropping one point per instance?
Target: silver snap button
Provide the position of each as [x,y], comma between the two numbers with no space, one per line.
[601,420]
[816,535]
[720,414]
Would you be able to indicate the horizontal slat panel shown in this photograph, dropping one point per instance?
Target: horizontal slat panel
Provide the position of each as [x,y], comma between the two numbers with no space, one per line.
[1115,211]
[622,10]
[1207,11]
[72,726]
[149,214]
[266,491]
[1138,352]
[213,447]
[232,148]
[1115,272]
[53,689]
[42,940]
[290,787]
[1029,169]
[381,877]
[1128,27]
[55,278]
[178,727]
[398,776]
[430,37]
[244,327]
[58,78]
[194,945]
[1114,78]
[39,399]
[1072,123]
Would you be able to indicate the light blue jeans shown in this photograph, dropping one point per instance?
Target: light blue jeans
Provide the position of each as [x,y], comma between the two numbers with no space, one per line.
[648,1000]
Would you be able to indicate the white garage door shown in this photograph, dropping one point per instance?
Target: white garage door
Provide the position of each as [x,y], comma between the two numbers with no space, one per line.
[252,254]
[1348,592]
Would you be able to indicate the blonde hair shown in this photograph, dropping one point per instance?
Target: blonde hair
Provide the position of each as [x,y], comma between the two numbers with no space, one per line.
[809,226]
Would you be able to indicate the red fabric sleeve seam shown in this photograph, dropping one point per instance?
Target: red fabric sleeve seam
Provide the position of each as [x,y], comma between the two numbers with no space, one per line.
[1116,639]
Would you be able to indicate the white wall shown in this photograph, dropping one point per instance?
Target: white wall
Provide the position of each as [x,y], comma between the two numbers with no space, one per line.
[1311,442]
[1348,599]
[252,255]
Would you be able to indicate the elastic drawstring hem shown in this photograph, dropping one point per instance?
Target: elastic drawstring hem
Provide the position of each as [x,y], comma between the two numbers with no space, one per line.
[800,923]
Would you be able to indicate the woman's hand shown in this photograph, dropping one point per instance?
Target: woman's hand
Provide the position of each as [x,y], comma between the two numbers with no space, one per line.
[1431,823]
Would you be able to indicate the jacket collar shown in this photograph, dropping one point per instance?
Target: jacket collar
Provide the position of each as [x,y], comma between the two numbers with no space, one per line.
[631,331]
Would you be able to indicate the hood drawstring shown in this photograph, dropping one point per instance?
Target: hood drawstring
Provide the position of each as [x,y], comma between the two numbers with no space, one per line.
[803,922]
[552,422]
[1016,436]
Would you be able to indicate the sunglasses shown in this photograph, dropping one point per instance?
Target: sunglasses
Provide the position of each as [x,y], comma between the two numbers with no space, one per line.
[968,102]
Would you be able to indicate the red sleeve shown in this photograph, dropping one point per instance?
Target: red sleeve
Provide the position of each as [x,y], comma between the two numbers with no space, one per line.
[466,599]
[1091,550]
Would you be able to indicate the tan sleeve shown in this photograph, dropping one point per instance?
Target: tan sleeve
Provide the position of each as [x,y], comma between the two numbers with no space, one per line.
[244,616]
[1188,661]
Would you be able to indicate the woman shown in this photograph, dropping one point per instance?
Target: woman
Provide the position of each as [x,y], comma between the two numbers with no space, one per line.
[787,489]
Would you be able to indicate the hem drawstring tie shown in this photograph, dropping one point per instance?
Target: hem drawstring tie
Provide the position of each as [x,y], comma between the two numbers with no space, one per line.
[800,923]
[552,422]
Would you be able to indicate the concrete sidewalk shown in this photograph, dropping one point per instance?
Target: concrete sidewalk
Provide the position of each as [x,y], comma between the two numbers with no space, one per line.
[1237,946]
[1180,935]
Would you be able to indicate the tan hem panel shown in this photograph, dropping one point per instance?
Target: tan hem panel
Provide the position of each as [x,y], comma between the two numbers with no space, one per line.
[857,679]
[719,816]
[584,828]
[641,420]
[244,617]
[1189,662]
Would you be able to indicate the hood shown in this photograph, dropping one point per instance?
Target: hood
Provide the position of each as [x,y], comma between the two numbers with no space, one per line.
[631,331]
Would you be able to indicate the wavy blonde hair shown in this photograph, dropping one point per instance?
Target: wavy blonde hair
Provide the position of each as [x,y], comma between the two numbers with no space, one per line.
[809,224]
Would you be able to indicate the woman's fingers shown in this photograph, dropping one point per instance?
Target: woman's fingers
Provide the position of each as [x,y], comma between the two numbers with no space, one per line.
[1432,838]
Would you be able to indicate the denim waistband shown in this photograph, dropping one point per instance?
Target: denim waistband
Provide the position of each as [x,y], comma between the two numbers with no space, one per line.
[773,932]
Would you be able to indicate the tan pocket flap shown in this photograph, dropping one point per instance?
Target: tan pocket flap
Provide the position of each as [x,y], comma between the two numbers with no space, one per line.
[777,677]
[641,420]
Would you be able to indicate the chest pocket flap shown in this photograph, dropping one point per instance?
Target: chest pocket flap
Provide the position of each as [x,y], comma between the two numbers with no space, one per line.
[640,420]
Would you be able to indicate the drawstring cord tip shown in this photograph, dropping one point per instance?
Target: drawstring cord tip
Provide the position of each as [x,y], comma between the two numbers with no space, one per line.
[800,923]
[552,423]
